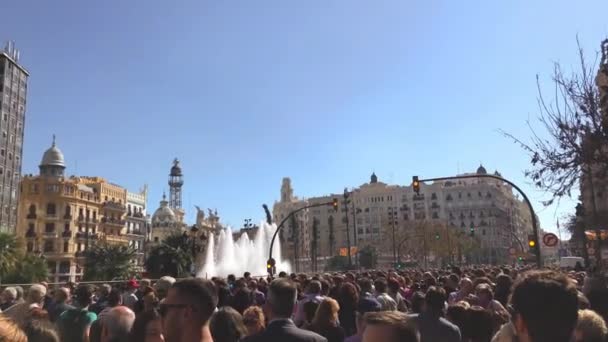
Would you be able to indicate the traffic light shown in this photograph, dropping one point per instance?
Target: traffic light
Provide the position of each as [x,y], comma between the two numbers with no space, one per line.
[520,259]
[532,242]
[472,231]
[416,184]
[270,266]
[334,204]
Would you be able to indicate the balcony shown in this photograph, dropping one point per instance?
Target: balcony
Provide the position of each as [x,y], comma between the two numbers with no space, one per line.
[85,235]
[66,234]
[51,216]
[137,232]
[80,254]
[30,234]
[110,205]
[67,216]
[31,216]
[113,222]
[50,234]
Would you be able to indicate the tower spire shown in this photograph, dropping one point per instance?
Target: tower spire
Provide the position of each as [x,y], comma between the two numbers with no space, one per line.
[175,185]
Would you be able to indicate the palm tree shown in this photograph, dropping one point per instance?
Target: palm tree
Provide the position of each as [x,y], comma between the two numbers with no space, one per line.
[29,269]
[106,261]
[172,257]
[10,251]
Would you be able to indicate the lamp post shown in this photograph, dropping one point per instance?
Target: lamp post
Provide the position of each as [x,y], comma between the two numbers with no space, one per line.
[345,196]
[271,262]
[392,218]
[193,233]
[416,185]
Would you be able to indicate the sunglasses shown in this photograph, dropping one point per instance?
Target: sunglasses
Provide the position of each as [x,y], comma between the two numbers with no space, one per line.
[164,309]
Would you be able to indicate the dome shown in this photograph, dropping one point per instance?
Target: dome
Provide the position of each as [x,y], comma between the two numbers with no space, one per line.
[374,178]
[481,170]
[164,214]
[53,156]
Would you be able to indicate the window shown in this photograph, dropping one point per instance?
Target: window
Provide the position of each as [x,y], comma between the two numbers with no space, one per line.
[48,246]
[51,209]
[66,246]
[32,210]
[30,246]
[483,232]
[66,227]
[49,227]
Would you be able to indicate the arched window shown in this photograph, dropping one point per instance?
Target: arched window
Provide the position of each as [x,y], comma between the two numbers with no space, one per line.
[30,246]
[51,209]
[66,247]
[48,246]
[32,209]
[68,212]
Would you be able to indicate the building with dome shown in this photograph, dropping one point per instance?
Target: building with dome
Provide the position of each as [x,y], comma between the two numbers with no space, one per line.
[165,222]
[483,209]
[60,217]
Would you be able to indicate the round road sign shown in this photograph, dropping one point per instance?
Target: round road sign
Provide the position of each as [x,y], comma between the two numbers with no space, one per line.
[550,240]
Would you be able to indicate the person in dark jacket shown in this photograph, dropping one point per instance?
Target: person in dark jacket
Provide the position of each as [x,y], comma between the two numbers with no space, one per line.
[280,302]
[242,298]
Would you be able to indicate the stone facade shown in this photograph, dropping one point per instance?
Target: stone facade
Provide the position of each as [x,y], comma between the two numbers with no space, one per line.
[488,208]
[60,217]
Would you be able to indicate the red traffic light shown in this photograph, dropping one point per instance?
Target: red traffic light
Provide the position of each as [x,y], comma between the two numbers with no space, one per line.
[334,204]
[416,184]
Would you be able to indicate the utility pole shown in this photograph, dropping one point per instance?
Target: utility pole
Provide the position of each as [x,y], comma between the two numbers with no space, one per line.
[345,196]
[355,212]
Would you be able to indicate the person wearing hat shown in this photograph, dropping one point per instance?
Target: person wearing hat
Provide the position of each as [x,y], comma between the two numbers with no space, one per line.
[366,304]
[129,299]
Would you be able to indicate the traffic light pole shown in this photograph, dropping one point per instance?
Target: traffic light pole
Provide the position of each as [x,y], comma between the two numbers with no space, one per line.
[416,183]
[276,232]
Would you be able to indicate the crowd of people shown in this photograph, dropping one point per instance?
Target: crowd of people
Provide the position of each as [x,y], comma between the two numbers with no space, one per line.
[473,304]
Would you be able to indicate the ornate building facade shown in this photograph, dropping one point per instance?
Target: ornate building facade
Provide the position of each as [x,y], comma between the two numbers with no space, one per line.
[61,217]
[487,208]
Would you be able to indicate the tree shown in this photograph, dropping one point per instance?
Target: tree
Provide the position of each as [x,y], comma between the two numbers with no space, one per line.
[10,252]
[172,257]
[28,269]
[576,133]
[107,261]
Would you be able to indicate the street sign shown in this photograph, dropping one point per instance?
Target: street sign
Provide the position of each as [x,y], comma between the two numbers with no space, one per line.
[550,240]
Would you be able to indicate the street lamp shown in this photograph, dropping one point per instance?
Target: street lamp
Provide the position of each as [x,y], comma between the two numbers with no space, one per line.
[193,233]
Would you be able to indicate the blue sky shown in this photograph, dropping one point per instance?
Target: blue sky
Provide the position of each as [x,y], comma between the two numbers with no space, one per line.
[247,92]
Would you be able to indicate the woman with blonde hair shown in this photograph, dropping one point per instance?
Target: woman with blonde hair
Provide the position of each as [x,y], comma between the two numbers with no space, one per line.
[590,327]
[10,331]
[325,322]
[254,320]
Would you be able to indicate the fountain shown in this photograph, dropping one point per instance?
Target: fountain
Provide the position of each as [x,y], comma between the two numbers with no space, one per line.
[225,256]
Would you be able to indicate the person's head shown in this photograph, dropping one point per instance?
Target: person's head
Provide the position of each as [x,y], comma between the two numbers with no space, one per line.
[149,298]
[365,305]
[117,324]
[253,285]
[453,280]
[163,285]
[247,275]
[366,285]
[479,325]
[39,331]
[62,295]
[188,308]
[103,290]
[114,298]
[590,327]
[227,325]
[10,331]
[145,283]
[380,285]
[484,293]
[327,314]
[457,314]
[9,294]
[83,295]
[254,321]
[389,326]
[36,293]
[348,297]
[147,327]
[435,300]
[418,302]
[20,292]
[281,299]
[466,285]
[314,287]
[545,306]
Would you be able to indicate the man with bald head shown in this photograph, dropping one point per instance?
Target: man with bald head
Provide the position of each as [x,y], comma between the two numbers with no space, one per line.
[465,289]
[117,324]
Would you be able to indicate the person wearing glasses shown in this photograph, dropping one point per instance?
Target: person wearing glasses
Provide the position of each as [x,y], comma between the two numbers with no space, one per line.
[187,309]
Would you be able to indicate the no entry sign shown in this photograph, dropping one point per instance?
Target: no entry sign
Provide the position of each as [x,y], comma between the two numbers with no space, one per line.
[550,240]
